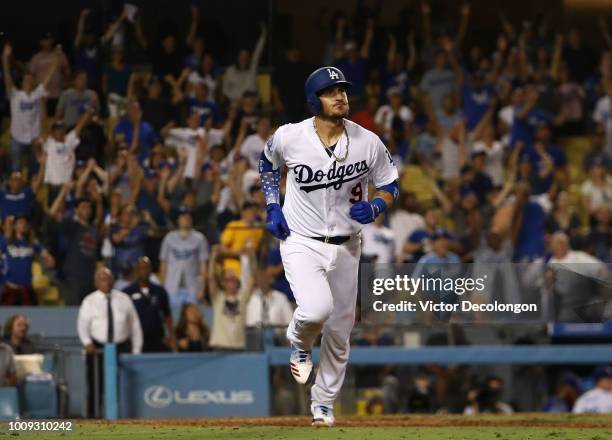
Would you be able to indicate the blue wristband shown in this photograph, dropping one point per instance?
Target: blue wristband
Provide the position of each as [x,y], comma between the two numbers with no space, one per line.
[379,206]
[270,180]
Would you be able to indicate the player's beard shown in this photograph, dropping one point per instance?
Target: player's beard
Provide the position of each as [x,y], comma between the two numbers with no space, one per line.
[334,117]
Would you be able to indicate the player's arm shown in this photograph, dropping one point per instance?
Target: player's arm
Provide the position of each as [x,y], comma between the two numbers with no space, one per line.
[385,177]
[270,175]
[365,212]
[387,193]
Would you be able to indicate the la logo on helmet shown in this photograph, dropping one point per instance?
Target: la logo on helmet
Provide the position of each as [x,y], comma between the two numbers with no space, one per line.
[332,74]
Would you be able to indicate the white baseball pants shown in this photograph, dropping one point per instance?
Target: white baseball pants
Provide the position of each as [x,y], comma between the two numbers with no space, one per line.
[323,278]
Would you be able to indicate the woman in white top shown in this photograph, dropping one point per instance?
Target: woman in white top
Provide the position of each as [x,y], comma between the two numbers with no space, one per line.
[494,152]
[597,190]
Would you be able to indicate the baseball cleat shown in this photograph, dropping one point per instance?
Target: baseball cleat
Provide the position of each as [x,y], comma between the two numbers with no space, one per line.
[322,416]
[301,365]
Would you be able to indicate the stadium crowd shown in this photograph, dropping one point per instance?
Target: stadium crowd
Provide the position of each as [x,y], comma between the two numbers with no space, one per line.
[135,159]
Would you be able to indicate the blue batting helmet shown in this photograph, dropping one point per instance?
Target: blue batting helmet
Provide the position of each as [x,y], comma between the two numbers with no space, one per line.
[320,80]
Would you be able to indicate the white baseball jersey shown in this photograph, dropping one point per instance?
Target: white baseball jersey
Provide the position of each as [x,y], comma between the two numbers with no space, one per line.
[187,139]
[251,148]
[320,189]
[60,158]
[596,400]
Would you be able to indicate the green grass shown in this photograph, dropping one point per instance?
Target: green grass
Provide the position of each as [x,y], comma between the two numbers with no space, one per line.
[150,432]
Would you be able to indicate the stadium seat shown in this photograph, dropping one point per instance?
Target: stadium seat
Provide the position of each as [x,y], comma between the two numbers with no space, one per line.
[9,404]
[38,399]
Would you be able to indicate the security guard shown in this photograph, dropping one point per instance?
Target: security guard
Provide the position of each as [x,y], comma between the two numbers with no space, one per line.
[152,305]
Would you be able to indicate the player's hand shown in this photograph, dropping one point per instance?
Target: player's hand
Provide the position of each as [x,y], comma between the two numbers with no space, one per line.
[276,223]
[363,212]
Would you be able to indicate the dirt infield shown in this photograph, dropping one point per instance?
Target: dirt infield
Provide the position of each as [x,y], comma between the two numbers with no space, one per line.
[535,420]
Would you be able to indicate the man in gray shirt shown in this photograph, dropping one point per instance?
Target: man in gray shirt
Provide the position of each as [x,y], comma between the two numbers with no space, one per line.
[73,101]
[438,81]
[8,373]
[183,257]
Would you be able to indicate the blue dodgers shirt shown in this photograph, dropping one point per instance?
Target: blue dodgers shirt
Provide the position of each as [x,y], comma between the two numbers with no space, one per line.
[475,103]
[419,236]
[559,160]
[206,109]
[431,263]
[86,58]
[131,248]
[14,204]
[530,243]
[19,256]
[524,129]
[147,136]
[148,202]
[2,259]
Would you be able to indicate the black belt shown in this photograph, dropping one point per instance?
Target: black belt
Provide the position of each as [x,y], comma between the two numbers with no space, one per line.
[339,239]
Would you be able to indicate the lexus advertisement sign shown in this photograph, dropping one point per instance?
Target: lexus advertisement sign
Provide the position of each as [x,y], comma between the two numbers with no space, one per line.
[188,385]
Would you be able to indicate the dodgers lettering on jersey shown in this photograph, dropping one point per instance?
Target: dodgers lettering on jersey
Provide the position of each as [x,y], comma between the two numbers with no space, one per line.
[321,190]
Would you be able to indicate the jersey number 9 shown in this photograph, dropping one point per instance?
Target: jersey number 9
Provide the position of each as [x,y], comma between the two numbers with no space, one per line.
[357,192]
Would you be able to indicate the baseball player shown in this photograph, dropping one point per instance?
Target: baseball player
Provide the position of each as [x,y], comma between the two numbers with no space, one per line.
[329,161]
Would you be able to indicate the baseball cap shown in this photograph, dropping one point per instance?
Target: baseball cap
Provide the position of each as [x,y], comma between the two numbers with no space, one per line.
[441,233]
[350,45]
[570,378]
[598,161]
[479,74]
[183,210]
[543,123]
[58,124]
[85,108]
[465,169]
[478,153]
[21,215]
[154,79]
[80,164]
[604,372]
[466,191]
[47,35]
[248,205]
[249,93]
[150,173]
[81,200]
[394,91]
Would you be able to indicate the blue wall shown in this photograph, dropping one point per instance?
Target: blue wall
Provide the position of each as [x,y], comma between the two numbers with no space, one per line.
[61,322]
[193,385]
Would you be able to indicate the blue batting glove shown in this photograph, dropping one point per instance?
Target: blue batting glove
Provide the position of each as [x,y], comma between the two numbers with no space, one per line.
[365,212]
[275,222]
